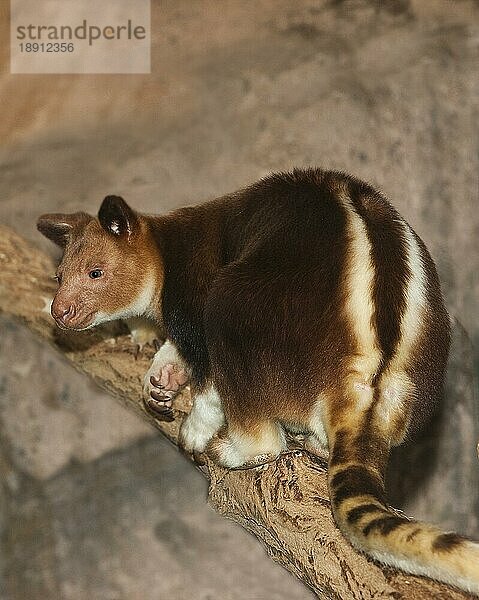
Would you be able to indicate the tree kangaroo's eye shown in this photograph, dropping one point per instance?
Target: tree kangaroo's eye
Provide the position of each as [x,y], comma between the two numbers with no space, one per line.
[95,273]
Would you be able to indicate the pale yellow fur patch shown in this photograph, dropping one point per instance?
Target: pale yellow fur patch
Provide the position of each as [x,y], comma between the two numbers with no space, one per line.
[416,301]
[359,300]
[240,448]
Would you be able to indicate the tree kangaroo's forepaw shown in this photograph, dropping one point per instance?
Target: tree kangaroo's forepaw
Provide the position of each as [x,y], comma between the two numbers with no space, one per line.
[160,387]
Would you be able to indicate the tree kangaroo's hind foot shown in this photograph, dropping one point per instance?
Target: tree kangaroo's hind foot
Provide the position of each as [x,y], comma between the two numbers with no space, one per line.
[237,448]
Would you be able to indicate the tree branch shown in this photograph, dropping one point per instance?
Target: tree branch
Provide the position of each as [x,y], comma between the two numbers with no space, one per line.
[285,506]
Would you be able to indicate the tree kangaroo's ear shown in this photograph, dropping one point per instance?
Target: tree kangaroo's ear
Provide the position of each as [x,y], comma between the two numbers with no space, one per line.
[57,227]
[117,217]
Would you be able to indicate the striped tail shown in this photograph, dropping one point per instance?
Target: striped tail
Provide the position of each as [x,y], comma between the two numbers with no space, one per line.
[359,505]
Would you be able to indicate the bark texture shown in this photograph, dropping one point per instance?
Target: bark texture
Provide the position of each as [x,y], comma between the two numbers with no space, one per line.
[285,506]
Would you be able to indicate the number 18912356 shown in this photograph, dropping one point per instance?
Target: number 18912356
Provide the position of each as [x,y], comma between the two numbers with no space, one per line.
[47,47]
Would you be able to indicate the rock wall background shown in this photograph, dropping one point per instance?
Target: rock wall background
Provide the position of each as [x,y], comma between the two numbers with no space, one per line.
[387,90]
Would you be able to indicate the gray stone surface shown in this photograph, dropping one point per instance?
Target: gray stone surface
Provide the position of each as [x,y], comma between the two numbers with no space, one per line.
[385,89]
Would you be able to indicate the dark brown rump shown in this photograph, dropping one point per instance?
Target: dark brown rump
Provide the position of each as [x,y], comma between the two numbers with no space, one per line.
[272,320]
[262,342]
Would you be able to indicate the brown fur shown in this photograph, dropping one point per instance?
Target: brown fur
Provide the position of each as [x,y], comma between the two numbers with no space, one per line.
[303,299]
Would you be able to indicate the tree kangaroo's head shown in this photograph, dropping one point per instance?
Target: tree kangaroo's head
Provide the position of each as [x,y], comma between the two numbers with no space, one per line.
[110,267]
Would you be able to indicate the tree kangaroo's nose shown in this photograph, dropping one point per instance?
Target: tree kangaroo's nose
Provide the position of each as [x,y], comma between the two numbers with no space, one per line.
[63,312]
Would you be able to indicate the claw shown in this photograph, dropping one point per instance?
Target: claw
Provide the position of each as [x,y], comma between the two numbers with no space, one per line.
[158,404]
[166,415]
[165,400]
[158,410]
[156,382]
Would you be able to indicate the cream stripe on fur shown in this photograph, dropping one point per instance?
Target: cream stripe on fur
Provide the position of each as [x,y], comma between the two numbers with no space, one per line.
[359,301]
